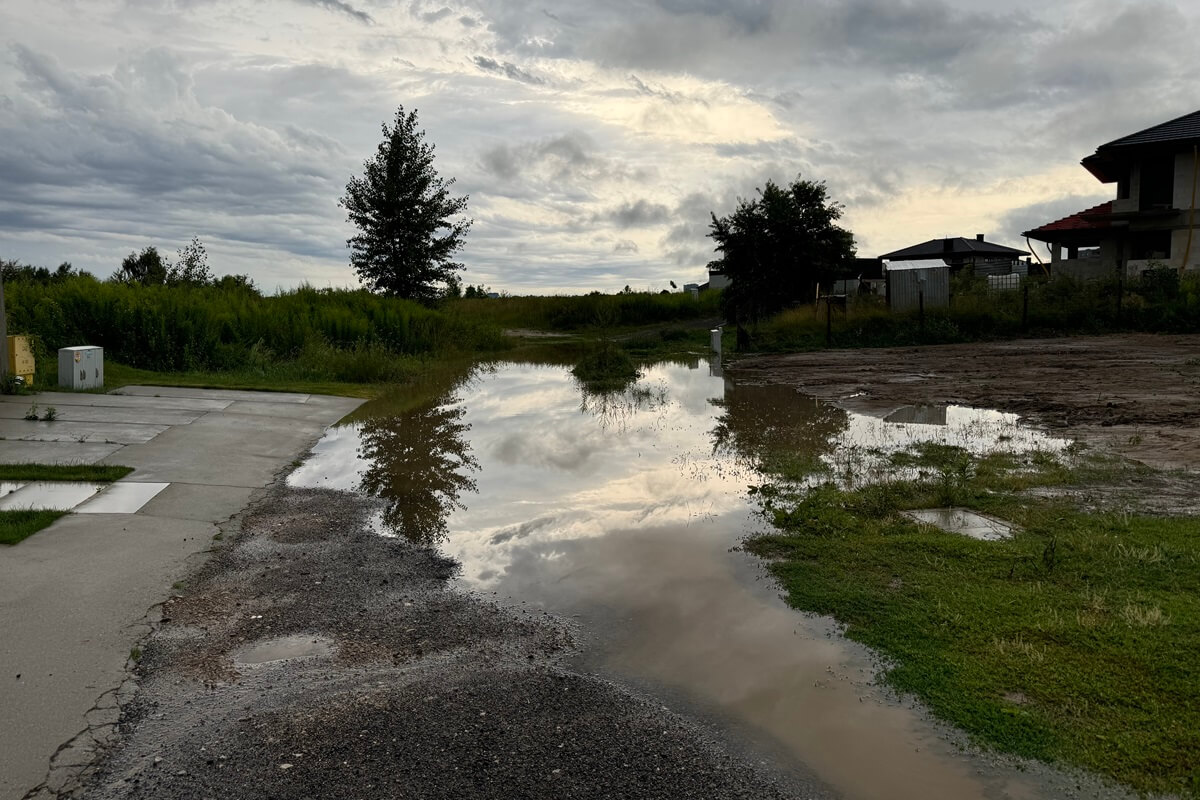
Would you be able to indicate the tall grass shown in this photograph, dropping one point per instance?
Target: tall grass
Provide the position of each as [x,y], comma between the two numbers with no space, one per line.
[1158,302]
[569,313]
[181,329]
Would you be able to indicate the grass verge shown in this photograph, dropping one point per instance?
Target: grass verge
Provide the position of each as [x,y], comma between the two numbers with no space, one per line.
[100,473]
[1074,641]
[18,525]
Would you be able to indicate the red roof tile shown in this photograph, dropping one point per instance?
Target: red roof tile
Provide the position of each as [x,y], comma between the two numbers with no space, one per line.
[1091,219]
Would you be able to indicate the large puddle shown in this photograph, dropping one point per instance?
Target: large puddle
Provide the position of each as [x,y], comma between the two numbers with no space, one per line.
[624,511]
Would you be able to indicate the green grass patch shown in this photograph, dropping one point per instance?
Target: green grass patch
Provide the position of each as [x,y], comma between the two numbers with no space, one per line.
[99,473]
[1074,641]
[16,526]
[606,367]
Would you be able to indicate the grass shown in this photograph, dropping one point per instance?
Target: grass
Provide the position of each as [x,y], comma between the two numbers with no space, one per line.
[99,473]
[16,526]
[1074,641]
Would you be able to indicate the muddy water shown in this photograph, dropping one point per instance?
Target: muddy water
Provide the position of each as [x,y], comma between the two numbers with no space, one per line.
[624,511]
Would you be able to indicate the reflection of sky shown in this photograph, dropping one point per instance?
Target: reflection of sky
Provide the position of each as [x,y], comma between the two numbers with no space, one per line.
[552,472]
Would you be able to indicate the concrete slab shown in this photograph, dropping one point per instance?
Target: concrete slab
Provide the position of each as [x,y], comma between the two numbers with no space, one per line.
[965,522]
[212,394]
[74,413]
[72,597]
[71,600]
[122,497]
[60,431]
[199,502]
[55,495]
[59,399]
[56,452]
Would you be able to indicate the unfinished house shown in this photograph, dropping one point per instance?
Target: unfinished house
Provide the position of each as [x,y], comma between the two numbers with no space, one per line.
[1153,218]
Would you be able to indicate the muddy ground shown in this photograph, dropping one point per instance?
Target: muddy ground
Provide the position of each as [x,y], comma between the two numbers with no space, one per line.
[1137,395]
[378,680]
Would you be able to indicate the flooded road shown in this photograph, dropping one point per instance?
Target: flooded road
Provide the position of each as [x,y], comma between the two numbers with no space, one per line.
[624,512]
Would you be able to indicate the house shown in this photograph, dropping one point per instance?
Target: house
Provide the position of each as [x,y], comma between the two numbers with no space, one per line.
[1151,220]
[983,257]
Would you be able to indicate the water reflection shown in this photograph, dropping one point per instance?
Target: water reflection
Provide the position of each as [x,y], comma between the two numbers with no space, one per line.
[774,429]
[420,463]
[623,517]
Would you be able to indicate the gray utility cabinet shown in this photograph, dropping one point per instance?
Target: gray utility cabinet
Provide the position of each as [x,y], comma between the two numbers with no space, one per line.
[81,367]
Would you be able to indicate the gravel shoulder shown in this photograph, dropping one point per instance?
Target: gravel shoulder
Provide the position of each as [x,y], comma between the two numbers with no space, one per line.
[312,657]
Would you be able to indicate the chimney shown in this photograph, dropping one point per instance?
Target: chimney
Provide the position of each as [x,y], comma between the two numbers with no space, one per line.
[979,237]
[947,245]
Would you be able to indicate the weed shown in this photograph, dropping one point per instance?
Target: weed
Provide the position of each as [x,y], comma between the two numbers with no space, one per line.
[16,525]
[32,413]
[50,414]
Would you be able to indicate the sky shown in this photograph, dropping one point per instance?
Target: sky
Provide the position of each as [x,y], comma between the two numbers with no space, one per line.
[593,138]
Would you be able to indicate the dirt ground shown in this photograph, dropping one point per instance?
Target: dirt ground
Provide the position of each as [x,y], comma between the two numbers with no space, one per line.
[1137,395]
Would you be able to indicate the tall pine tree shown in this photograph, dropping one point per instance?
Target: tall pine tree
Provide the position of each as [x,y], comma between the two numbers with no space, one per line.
[409,224]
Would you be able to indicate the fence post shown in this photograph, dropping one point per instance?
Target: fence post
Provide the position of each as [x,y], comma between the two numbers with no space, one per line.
[1024,307]
[828,323]
[1120,294]
[921,310]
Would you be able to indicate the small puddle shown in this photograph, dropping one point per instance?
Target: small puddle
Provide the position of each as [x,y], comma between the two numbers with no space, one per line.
[965,522]
[284,648]
[624,511]
[918,415]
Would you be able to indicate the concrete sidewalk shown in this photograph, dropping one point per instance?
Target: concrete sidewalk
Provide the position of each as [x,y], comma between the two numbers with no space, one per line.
[74,598]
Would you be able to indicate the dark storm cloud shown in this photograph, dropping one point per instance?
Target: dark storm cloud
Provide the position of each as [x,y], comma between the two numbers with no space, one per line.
[569,162]
[638,214]
[133,153]
[506,69]
[342,8]
[1025,218]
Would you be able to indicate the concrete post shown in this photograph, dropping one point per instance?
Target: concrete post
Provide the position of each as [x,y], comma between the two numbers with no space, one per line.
[3,329]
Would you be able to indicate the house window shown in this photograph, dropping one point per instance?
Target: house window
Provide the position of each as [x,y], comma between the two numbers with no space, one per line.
[1158,183]
[1150,245]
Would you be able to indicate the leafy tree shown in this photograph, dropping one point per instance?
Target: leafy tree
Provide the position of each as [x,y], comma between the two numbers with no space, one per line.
[777,248]
[147,268]
[409,228]
[236,283]
[191,266]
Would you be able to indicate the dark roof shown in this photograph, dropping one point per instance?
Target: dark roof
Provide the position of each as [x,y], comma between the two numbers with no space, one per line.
[1181,129]
[956,248]
[1091,219]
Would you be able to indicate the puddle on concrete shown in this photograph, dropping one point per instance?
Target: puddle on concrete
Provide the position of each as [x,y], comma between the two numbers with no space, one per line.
[965,522]
[50,495]
[284,648]
[123,497]
[8,487]
[621,511]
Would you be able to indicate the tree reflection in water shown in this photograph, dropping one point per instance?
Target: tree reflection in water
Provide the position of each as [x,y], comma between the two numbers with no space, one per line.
[420,464]
[614,408]
[776,430]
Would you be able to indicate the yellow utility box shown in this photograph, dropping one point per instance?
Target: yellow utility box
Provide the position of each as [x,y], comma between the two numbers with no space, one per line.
[20,358]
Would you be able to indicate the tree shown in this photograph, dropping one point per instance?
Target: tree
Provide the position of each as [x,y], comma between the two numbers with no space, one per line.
[778,248]
[191,266]
[406,218]
[147,268]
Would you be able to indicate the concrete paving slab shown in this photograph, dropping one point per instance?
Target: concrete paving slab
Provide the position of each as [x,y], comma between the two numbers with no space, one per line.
[122,497]
[199,502]
[60,431]
[72,597]
[58,399]
[212,394]
[73,413]
[56,452]
[54,495]
[71,600]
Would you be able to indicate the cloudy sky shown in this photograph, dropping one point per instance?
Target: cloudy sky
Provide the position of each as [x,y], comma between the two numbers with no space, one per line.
[593,137]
